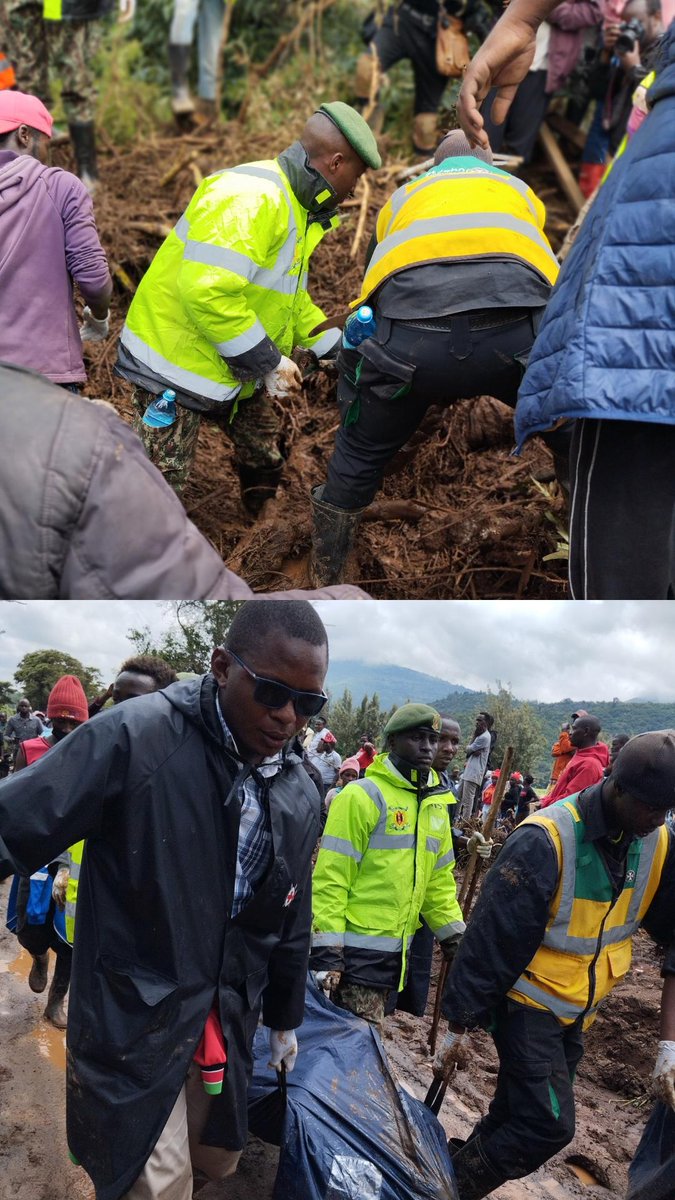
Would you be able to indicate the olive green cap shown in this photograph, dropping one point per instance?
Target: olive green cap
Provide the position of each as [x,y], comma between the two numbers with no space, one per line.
[413,716]
[357,131]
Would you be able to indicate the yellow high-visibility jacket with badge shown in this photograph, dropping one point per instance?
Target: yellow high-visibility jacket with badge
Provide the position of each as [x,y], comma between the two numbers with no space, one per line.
[229,280]
[587,946]
[385,858]
[462,208]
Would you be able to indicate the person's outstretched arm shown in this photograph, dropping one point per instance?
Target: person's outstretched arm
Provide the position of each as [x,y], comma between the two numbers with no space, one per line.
[502,62]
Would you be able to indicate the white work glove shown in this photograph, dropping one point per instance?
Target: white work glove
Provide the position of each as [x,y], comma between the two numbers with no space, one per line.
[59,886]
[478,843]
[663,1075]
[127,11]
[283,1049]
[93,330]
[326,980]
[453,1052]
[284,380]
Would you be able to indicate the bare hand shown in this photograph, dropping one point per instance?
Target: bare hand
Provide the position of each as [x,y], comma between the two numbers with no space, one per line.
[502,62]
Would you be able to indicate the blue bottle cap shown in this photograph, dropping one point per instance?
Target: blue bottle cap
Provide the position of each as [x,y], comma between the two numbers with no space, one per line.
[365,313]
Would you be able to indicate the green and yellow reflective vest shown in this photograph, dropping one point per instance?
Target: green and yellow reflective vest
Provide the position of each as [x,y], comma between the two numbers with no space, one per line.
[587,946]
[75,855]
[230,276]
[462,208]
[385,859]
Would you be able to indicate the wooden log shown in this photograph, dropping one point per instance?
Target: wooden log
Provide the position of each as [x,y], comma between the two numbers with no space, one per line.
[559,163]
[363,213]
[567,130]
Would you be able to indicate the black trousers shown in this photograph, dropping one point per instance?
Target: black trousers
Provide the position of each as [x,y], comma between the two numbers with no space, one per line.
[622,519]
[404,35]
[531,1116]
[519,130]
[385,390]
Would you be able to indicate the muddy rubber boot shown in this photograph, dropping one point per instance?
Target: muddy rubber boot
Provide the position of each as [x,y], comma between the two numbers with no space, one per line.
[37,980]
[56,1009]
[332,538]
[206,112]
[474,1176]
[83,137]
[258,485]
[182,104]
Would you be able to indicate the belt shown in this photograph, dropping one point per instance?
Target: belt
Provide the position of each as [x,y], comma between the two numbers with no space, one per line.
[423,19]
[486,318]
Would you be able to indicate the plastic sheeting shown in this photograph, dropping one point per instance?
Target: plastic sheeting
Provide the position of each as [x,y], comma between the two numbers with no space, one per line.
[347,1132]
[651,1175]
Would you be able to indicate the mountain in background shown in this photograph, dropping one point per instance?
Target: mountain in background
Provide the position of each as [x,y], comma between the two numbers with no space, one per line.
[394,685]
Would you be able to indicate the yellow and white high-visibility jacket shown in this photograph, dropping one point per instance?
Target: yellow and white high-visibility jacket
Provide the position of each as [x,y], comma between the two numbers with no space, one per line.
[587,946]
[75,853]
[462,208]
[386,858]
[226,293]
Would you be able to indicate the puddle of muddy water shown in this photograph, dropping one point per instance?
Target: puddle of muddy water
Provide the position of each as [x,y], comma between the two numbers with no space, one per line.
[51,1042]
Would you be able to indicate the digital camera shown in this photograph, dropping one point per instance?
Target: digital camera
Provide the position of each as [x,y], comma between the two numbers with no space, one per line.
[631,33]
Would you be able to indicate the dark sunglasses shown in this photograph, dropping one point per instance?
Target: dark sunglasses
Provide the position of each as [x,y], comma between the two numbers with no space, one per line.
[272,694]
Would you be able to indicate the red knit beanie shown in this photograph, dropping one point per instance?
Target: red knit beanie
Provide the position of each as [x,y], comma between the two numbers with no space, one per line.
[67,699]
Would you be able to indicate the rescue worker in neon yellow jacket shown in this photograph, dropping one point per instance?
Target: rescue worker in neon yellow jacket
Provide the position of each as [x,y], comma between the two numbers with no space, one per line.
[549,938]
[225,301]
[386,857]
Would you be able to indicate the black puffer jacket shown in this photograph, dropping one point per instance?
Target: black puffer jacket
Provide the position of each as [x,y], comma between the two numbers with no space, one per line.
[152,788]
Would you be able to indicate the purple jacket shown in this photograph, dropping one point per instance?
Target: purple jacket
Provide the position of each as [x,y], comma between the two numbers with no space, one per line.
[568,22]
[48,239]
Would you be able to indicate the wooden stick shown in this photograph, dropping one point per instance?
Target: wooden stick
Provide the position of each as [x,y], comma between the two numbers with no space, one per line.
[375,81]
[363,213]
[177,168]
[474,864]
[563,173]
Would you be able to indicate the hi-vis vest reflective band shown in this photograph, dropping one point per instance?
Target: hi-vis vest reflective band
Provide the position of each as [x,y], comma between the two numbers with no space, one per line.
[75,853]
[587,945]
[466,210]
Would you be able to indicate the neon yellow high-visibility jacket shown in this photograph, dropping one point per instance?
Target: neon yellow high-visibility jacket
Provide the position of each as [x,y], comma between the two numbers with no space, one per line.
[226,293]
[462,208]
[75,862]
[385,858]
[587,946]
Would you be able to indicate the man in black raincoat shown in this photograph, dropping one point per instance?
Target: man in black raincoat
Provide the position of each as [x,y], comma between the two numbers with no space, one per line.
[194,895]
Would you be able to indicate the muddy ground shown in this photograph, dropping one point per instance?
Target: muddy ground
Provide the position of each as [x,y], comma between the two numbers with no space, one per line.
[458,517]
[612,1099]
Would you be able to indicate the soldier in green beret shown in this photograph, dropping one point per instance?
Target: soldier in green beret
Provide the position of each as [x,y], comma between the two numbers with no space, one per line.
[386,858]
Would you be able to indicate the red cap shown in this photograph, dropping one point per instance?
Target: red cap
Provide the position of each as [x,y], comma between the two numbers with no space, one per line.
[496,773]
[67,699]
[329,738]
[18,108]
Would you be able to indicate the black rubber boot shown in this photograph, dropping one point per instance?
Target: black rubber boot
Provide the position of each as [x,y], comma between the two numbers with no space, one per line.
[83,137]
[258,485]
[37,980]
[182,104]
[56,1008]
[474,1175]
[332,538]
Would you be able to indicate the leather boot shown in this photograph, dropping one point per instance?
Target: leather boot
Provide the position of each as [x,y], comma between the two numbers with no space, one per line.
[56,1009]
[474,1176]
[182,104]
[425,134]
[206,112]
[37,980]
[83,137]
[332,538]
[258,485]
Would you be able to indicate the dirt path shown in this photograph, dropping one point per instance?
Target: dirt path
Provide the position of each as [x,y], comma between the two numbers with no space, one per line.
[611,1094]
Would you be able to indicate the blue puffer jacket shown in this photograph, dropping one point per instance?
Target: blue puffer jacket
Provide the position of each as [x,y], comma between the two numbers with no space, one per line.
[606,346]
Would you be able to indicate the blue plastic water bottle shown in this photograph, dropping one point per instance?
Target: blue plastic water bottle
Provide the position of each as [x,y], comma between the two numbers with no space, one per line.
[162,411]
[358,327]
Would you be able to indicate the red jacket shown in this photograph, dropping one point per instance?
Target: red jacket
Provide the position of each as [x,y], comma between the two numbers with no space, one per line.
[587,767]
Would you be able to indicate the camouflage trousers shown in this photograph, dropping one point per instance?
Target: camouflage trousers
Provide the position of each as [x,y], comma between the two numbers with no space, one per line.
[67,48]
[255,431]
[363,1001]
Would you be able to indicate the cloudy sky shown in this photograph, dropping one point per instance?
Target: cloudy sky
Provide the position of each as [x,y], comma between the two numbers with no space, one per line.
[545,650]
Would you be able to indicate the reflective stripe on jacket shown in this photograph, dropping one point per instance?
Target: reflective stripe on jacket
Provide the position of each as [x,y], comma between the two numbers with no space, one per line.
[231,275]
[587,946]
[462,208]
[75,855]
[384,860]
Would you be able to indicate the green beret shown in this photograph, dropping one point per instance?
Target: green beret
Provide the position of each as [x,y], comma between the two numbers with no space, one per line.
[413,716]
[357,131]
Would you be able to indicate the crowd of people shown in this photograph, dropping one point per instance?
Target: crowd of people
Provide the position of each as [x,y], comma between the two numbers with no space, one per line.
[188,849]
[466,295]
